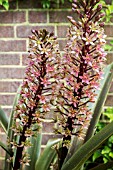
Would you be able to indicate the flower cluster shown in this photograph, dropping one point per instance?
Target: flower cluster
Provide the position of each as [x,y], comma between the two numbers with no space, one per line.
[37,90]
[82,69]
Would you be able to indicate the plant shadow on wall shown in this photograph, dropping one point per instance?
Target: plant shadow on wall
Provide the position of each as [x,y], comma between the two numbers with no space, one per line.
[74,86]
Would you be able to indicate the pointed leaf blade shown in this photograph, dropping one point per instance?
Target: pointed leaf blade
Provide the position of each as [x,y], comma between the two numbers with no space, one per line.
[34,151]
[43,163]
[3,120]
[97,107]
[86,150]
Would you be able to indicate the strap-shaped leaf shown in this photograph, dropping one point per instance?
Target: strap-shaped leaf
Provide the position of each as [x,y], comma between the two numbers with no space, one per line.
[7,164]
[44,162]
[3,120]
[34,151]
[102,94]
[103,166]
[86,150]
[5,148]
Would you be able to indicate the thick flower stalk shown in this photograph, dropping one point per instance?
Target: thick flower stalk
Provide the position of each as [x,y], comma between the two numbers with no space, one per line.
[37,91]
[83,64]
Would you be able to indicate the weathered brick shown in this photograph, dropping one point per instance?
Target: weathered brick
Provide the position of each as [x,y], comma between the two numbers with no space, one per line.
[25,59]
[109,101]
[2,152]
[109,58]
[62,44]
[37,16]
[25,31]
[11,73]
[6,99]
[48,127]
[9,86]
[62,31]
[111,88]
[60,16]
[65,5]
[12,17]
[12,45]
[1,164]
[9,59]
[108,30]
[6,31]
[25,4]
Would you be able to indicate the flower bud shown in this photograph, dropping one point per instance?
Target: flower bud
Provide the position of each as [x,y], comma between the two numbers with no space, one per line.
[101,24]
[74,6]
[99,7]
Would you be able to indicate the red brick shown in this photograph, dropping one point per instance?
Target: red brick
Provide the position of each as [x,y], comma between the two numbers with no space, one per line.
[24,4]
[108,30]
[25,59]
[12,45]
[65,5]
[109,101]
[37,16]
[62,44]
[62,31]
[1,164]
[60,16]
[111,88]
[6,31]
[6,99]
[11,73]
[9,59]
[48,127]
[2,152]
[9,86]
[12,17]
[25,31]
[109,58]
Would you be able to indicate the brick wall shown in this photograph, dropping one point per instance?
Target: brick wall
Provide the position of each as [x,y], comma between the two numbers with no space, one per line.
[15,26]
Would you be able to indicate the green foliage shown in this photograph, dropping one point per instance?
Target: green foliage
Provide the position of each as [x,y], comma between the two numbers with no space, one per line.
[104,154]
[30,105]
[5,4]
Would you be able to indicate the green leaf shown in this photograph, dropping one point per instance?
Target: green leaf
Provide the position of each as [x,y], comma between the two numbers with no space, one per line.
[103,166]
[109,115]
[8,166]
[111,154]
[106,150]
[34,151]
[87,149]
[44,162]
[101,97]
[0,2]
[5,148]
[96,155]
[5,4]
[3,120]
[108,47]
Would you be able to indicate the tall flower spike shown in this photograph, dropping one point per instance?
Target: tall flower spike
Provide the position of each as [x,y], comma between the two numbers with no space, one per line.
[83,64]
[37,90]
